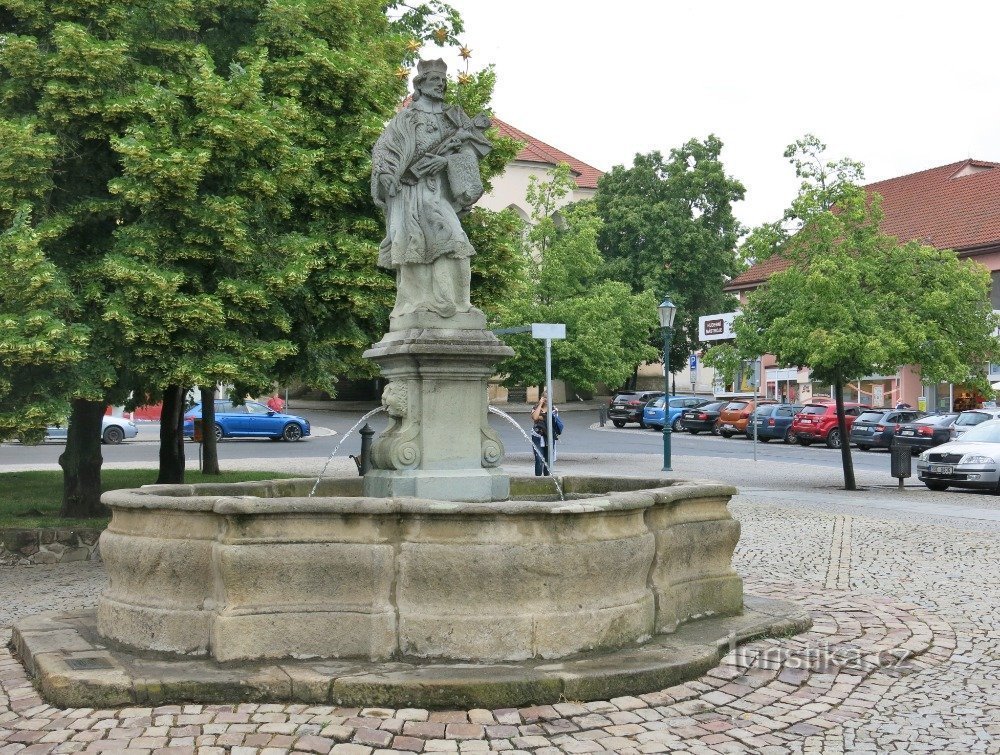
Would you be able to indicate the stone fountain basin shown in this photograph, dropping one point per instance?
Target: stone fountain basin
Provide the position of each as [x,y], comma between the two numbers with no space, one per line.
[259,570]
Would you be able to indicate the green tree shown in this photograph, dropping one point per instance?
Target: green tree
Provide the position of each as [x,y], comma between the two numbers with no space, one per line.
[854,301]
[39,349]
[668,227]
[607,325]
[200,180]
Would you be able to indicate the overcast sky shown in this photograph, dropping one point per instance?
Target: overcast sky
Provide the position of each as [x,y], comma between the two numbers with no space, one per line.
[899,86]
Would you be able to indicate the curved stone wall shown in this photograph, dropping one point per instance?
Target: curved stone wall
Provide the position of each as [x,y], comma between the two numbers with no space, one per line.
[259,570]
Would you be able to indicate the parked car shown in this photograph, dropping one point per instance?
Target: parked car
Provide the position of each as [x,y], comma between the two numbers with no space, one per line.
[251,420]
[818,422]
[774,422]
[113,430]
[973,461]
[702,418]
[926,432]
[972,417]
[652,415]
[735,416]
[627,407]
[875,428]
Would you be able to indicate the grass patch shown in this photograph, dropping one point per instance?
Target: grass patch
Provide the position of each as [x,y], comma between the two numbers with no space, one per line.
[32,499]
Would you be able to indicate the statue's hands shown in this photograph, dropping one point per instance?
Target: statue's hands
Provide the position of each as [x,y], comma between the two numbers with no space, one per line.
[436,163]
[390,184]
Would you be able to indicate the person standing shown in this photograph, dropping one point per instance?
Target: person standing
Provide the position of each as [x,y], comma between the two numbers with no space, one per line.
[275,404]
[544,456]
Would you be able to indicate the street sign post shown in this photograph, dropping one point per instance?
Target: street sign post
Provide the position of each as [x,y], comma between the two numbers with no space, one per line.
[548,331]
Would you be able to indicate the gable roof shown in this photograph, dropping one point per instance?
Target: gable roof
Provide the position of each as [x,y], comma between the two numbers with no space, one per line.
[954,206]
[537,151]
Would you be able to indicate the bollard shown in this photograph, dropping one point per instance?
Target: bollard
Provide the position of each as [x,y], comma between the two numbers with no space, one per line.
[365,463]
[602,414]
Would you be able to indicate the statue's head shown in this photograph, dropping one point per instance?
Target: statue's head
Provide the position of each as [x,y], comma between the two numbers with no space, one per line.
[431,79]
[394,399]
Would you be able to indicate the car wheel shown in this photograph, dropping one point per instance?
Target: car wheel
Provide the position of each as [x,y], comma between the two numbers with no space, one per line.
[113,436]
[677,425]
[790,436]
[715,430]
[936,486]
[725,434]
[642,424]
[914,452]
[864,448]
[618,422]
[833,439]
[803,442]
[218,432]
[292,432]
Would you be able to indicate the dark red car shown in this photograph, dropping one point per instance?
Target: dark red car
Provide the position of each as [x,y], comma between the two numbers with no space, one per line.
[818,423]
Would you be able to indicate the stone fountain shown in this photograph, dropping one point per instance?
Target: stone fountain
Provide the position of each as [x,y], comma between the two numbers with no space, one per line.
[437,580]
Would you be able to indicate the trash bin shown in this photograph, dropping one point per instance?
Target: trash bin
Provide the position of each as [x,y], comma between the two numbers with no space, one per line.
[900,462]
[196,436]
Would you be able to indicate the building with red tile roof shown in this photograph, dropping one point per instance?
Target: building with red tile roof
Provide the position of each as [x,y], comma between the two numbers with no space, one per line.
[536,158]
[954,206]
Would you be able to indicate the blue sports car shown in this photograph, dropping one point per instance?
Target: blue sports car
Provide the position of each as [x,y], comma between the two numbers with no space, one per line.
[249,420]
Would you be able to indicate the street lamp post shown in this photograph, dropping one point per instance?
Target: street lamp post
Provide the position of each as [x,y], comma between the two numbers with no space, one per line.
[666,310]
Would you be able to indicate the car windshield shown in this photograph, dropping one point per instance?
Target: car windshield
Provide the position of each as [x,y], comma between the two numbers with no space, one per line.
[734,405]
[713,407]
[657,403]
[813,410]
[967,419]
[764,411]
[677,401]
[987,432]
[871,416]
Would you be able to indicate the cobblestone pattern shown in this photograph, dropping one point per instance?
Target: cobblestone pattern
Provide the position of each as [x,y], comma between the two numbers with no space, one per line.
[905,659]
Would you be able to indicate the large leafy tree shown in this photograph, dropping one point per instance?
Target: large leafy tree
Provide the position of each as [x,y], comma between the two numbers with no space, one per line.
[854,301]
[668,227]
[607,325]
[203,187]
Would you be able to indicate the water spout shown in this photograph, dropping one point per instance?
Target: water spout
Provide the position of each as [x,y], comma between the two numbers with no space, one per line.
[534,448]
[336,448]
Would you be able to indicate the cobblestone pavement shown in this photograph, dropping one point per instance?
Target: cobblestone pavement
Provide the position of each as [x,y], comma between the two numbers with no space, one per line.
[904,656]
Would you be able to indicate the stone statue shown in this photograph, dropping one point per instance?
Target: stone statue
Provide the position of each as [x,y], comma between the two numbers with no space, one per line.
[425,172]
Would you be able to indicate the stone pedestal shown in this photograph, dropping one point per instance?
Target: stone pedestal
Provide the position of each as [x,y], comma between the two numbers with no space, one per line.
[439,445]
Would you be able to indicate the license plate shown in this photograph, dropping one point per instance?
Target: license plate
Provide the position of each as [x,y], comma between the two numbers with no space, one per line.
[906,432]
[942,469]
[728,427]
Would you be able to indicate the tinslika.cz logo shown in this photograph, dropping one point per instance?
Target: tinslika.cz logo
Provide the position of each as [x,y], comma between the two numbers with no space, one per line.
[821,658]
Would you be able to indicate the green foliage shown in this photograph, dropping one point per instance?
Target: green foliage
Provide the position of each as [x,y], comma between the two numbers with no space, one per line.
[856,302]
[39,345]
[726,360]
[668,227]
[607,325]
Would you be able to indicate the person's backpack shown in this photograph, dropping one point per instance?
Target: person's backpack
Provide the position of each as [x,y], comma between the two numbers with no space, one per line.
[557,425]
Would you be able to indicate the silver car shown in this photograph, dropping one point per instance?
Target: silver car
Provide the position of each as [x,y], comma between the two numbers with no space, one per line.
[972,462]
[113,430]
[972,417]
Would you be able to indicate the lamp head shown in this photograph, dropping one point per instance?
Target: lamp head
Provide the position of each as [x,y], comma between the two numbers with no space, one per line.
[666,311]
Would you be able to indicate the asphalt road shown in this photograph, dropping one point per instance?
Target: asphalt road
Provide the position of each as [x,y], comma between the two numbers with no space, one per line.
[582,435]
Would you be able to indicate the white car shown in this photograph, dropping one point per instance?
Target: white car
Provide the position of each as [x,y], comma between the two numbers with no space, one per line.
[972,462]
[972,417]
[113,430]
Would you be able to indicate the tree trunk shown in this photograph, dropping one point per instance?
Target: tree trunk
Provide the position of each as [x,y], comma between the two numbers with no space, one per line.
[845,440]
[209,445]
[81,461]
[172,436]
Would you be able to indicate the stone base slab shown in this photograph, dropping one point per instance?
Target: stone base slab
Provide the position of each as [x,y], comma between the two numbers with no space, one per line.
[74,667]
[439,484]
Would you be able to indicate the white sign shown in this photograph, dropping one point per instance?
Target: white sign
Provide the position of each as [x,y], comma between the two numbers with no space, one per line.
[716,327]
[548,330]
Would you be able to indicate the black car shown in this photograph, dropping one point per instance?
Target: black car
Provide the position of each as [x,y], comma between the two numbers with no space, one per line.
[925,432]
[703,418]
[875,428]
[628,406]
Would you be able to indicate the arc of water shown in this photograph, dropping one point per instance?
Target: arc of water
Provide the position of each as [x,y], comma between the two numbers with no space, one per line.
[533,447]
[337,447]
